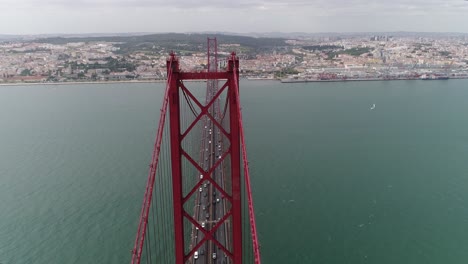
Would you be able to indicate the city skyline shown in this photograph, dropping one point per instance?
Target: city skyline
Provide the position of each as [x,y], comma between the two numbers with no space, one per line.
[26,17]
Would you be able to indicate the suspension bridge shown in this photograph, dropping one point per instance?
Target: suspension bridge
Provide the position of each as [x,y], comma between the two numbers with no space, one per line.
[197,206]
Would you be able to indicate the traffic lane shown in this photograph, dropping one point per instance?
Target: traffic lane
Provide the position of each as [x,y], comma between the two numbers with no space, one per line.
[202,251]
[220,203]
[212,153]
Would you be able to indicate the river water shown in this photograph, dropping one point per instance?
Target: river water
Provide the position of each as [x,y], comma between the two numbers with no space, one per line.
[334,181]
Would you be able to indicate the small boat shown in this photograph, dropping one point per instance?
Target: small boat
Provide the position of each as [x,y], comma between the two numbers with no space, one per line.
[372,107]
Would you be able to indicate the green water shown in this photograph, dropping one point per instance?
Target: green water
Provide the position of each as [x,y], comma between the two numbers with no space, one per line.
[333,181]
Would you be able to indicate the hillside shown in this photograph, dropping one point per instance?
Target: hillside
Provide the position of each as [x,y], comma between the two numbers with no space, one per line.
[174,41]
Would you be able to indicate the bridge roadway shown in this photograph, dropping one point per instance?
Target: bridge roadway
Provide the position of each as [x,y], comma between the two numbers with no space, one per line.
[210,206]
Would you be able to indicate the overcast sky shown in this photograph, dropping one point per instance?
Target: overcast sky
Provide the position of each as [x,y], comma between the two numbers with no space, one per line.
[113,16]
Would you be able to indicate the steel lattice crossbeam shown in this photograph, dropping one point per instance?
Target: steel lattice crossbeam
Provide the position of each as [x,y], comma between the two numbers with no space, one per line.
[177,153]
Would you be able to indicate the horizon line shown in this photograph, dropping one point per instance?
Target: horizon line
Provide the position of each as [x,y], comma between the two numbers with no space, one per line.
[230,32]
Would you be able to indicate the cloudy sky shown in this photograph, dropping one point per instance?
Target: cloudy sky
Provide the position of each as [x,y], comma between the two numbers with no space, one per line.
[113,16]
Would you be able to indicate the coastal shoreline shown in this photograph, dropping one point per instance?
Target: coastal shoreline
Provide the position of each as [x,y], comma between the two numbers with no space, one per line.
[254,80]
[88,82]
[369,80]
[74,83]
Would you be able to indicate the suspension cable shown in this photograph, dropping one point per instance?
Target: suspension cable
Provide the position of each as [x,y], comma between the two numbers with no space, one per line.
[189,102]
[253,226]
[141,232]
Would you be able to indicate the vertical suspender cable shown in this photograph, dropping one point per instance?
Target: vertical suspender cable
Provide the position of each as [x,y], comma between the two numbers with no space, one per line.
[163,203]
[148,244]
[141,232]
[164,183]
[155,220]
[253,226]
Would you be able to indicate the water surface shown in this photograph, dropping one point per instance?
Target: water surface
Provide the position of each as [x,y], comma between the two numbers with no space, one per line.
[333,180]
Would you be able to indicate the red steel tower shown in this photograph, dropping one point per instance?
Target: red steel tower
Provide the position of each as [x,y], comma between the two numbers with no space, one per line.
[222,171]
